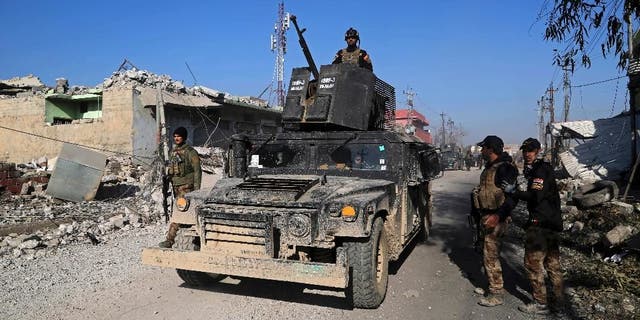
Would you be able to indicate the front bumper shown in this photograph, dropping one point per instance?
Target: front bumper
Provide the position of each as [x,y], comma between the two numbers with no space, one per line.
[314,273]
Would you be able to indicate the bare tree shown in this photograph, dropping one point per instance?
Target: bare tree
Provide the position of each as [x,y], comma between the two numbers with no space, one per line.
[581,25]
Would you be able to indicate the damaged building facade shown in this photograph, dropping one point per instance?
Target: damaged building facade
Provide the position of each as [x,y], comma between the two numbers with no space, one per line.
[119,115]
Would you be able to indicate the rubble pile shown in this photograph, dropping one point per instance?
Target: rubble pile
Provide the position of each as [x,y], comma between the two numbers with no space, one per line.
[211,159]
[22,86]
[133,77]
[129,197]
[601,256]
[22,179]
[31,225]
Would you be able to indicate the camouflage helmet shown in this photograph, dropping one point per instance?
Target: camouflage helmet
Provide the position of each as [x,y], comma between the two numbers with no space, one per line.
[352,33]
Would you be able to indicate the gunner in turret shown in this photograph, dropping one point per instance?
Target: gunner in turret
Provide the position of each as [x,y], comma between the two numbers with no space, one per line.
[352,53]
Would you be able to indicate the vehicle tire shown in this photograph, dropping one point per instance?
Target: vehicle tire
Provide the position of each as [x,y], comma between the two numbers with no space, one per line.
[193,278]
[591,195]
[369,263]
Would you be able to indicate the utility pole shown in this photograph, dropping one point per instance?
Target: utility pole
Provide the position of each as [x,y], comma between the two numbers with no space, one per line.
[632,96]
[444,134]
[452,139]
[567,93]
[552,116]
[552,141]
[541,131]
[163,151]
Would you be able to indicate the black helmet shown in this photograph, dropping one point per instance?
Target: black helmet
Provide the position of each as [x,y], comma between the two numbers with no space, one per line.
[352,33]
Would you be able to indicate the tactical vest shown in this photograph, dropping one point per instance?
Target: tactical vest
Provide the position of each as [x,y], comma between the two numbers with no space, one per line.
[488,195]
[180,163]
[351,57]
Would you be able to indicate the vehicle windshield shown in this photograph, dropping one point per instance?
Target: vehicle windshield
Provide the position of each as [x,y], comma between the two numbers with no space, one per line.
[278,155]
[352,156]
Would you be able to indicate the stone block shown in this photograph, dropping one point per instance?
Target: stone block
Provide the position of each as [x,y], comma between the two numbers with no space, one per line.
[622,207]
[617,235]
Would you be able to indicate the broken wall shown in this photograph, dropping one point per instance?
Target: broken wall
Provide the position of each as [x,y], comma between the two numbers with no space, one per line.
[144,131]
[112,131]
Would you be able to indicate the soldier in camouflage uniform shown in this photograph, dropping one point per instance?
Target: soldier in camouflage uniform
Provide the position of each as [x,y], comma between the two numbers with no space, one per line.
[495,209]
[185,172]
[352,53]
[542,230]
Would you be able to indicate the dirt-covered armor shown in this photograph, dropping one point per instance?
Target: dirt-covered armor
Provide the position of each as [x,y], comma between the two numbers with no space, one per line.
[488,196]
[350,57]
[184,166]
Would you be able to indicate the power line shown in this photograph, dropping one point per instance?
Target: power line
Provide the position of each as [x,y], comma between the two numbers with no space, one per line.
[598,82]
[74,143]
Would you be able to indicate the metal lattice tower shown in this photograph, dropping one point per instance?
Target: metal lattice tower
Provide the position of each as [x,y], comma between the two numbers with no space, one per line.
[410,94]
[279,46]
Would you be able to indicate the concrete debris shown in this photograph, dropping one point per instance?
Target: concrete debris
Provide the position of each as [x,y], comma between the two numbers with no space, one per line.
[19,86]
[129,197]
[211,158]
[598,150]
[78,173]
[134,77]
[62,86]
[617,235]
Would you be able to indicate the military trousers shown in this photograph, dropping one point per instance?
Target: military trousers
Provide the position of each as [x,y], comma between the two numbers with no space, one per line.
[491,251]
[181,190]
[542,252]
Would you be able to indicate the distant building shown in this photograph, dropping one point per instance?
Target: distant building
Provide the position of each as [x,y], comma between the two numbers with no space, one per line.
[415,123]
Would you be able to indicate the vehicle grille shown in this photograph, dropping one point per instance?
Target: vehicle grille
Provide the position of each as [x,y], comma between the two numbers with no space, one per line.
[238,234]
[297,186]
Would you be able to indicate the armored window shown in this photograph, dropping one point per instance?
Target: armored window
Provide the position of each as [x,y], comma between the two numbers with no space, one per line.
[353,156]
[278,155]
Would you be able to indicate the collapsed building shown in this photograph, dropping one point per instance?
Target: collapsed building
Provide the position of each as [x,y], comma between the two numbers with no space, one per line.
[119,115]
[118,119]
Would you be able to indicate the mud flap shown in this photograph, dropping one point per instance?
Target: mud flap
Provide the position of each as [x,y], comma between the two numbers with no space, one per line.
[314,273]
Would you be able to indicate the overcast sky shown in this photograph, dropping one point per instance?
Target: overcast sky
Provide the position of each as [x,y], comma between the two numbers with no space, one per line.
[482,63]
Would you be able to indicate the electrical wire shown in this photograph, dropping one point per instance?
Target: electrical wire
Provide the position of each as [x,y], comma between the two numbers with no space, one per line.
[76,144]
[598,82]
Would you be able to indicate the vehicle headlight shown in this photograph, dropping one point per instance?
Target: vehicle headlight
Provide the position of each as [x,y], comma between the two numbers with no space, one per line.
[182,204]
[299,225]
[349,213]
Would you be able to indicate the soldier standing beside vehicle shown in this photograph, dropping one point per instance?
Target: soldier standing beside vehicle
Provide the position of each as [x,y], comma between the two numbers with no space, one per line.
[352,53]
[541,244]
[186,175]
[495,208]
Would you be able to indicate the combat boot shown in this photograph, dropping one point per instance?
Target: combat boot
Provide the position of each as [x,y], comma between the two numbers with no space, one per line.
[491,300]
[534,308]
[171,236]
[165,244]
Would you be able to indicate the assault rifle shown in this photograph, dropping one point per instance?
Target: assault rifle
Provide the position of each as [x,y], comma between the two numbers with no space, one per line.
[474,222]
[305,49]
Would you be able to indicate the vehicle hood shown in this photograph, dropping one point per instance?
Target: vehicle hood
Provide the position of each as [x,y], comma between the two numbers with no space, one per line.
[307,191]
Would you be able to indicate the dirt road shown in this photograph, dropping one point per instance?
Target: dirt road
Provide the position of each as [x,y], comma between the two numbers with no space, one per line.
[435,280]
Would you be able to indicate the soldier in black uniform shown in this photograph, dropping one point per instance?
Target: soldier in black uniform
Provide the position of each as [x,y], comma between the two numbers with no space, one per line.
[352,53]
[542,230]
[494,207]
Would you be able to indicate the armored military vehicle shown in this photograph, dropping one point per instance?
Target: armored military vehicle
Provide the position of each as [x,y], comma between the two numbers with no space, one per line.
[328,201]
